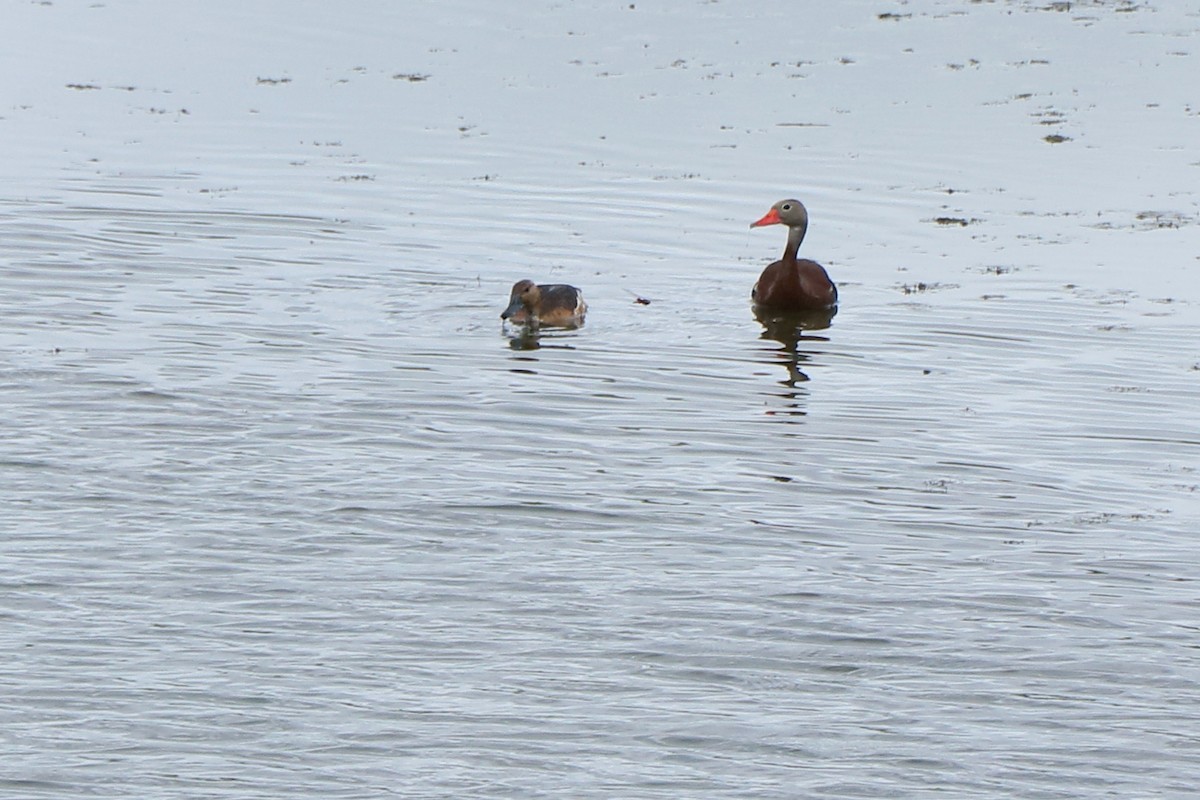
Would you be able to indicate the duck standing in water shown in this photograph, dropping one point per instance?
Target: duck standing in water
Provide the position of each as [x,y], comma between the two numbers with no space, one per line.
[545,304]
[792,284]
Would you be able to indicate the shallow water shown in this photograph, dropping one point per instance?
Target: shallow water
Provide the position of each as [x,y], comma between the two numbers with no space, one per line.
[289,513]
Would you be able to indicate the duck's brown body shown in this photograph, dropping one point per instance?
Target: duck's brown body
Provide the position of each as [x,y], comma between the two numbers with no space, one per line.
[555,304]
[792,284]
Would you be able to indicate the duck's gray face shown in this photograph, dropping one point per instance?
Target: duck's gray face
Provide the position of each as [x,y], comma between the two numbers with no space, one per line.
[786,212]
[524,295]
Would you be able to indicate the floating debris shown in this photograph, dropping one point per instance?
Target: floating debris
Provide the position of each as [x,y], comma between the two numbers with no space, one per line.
[1050,116]
[920,287]
[1163,219]
[1150,220]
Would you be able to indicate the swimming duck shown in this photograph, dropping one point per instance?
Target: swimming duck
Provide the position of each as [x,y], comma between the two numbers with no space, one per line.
[792,284]
[545,304]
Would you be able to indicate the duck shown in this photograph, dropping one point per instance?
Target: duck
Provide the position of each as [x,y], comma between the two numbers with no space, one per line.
[554,304]
[792,284]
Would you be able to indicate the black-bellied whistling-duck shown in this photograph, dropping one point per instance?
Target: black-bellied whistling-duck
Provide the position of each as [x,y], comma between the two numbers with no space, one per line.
[545,304]
[792,284]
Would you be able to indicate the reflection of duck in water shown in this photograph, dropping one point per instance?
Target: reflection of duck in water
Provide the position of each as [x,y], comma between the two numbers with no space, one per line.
[554,304]
[792,284]
[788,328]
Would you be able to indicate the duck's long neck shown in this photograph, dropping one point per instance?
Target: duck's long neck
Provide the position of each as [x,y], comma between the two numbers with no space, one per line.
[795,237]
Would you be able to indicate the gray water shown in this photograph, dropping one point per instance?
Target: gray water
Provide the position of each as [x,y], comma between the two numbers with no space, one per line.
[287,512]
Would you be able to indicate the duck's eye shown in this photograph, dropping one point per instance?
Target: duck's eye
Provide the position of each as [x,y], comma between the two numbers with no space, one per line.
[786,207]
